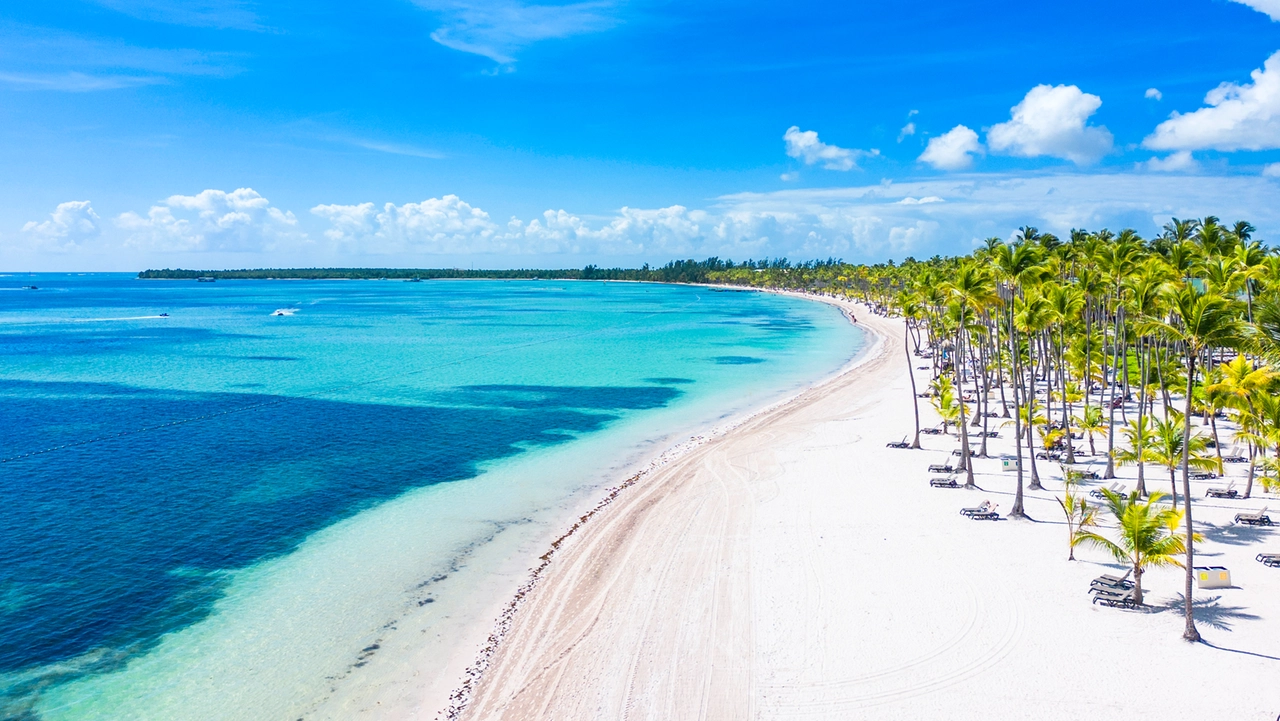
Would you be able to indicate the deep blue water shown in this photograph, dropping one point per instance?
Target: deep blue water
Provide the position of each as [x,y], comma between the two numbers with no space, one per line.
[146,456]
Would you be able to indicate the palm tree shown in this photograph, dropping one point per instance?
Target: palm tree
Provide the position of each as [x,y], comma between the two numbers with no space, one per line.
[1017,265]
[944,400]
[1079,514]
[1202,321]
[1240,384]
[1139,435]
[1166,449]
[1148,536]
[1091,422]
[911,311]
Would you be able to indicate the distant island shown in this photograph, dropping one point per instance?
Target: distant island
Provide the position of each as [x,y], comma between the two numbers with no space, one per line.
[679,271]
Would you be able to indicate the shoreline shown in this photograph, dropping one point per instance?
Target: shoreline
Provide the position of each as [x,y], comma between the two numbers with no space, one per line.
[461,696]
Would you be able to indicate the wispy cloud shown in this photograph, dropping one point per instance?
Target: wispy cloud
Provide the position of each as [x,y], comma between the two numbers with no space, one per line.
[392,148]
[44,59]
[223,14]
[73,82]
[501,29]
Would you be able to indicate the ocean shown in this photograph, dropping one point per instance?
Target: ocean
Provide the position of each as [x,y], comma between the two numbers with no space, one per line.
[228,511]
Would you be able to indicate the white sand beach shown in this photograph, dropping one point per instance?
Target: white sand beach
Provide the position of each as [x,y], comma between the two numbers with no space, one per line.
[795,567]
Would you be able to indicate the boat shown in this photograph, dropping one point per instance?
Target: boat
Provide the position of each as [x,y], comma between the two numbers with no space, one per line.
[414,280]
[206,279]
[31,287]
[164,315]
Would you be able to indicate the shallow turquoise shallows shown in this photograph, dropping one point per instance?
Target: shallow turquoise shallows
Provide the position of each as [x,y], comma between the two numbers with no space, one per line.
[217,498]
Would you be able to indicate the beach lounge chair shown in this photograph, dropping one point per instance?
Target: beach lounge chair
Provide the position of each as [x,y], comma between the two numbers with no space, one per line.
[1122,599]
[1269,559]
[1115,584]
[1228,492]
[931,431]
[944,483]
[941,468]
[1254,519]
[1202,475]
[990,515]
[898,444]
[1234,459]
[981,508]
[1089,475]
[1097,492]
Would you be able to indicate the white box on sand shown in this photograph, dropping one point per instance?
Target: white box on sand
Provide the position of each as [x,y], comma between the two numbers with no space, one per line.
[1213,577]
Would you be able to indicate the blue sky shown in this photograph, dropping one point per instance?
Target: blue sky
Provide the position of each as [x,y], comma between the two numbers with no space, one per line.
[230,133]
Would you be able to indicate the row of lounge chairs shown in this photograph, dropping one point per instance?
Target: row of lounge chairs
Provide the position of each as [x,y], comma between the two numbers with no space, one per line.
[1271,560]
[1113,591]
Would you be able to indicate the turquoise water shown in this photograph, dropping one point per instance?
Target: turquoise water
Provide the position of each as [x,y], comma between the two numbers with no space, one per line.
[218,513]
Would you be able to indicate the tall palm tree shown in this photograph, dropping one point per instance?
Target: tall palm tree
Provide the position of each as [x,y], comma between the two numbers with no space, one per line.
[1148,535]
[1016,265]
[1201,322]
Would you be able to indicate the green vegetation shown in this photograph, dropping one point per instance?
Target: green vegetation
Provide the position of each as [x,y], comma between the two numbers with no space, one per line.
[679,271]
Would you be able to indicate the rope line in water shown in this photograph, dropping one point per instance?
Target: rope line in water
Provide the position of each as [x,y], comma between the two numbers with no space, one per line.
[313,394]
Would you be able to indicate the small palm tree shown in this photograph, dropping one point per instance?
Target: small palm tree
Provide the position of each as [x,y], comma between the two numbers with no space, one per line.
[1166,450]
[1148,536]
[1091,422]
[944,401]
[1079,514]
[1139,436]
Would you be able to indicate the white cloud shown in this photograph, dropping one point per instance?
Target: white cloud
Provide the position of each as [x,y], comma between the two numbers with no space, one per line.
[451,226]
[499,29]
[68,227]
[805,146]
[921,201]
[1239,117]
[1179,161]
[953,150]
[1271,170]
[1271,8]
[213,220]
[907,130]
[1153,94]
[789,177]
[1052,120]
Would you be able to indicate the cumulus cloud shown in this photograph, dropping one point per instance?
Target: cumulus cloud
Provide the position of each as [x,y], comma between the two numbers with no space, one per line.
[1238,117]
[68,227]
[805,146]
[1153,94]
[1176,162]
[1271,8]
[451,226]
[953,150]
[498,30]
[1053,120]
[213,220]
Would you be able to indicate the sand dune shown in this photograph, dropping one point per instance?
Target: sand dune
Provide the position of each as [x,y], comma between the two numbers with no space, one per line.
[797,568]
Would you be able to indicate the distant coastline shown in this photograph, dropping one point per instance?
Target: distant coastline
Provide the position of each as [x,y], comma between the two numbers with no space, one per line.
[686,271]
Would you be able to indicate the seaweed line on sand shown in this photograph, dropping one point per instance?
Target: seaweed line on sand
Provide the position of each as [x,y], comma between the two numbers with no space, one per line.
[461,696]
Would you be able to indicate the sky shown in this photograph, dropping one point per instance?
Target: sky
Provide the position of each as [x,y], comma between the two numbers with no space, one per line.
[451,133]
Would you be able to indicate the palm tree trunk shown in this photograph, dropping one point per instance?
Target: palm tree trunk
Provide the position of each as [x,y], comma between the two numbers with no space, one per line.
[1142,371]
[965,461]
[1190,633]
[915,399]
[1017,511]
